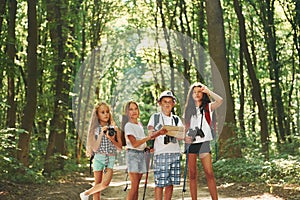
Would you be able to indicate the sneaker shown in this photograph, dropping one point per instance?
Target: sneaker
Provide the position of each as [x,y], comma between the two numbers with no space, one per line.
[83,196]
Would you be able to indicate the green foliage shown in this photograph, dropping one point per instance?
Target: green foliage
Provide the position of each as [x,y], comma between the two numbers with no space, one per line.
[129,74]
[277,170]
[10,167]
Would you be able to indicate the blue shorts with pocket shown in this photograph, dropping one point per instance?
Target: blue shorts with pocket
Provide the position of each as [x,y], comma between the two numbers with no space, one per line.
[136,162]
[102,161]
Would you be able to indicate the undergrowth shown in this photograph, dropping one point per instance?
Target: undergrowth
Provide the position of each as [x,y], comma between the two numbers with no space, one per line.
[276,170]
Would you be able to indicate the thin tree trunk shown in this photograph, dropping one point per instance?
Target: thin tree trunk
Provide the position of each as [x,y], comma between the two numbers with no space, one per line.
[256,92]
[217,50]
[267,17]
[31,90]
[56,142]
[294,20]
[11,52]
[185,44]
[201,60]
[167,38]
[242,95]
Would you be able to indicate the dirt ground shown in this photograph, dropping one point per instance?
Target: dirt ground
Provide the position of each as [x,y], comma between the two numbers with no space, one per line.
[70,187]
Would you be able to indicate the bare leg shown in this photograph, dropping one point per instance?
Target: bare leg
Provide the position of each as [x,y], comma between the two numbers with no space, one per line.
[135,179]
[103,185]
[209,174]
[158,192]
[168,192]
[193,175]
[98,179]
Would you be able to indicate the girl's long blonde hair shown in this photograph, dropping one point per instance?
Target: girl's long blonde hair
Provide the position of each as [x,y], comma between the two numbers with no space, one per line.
[94,123]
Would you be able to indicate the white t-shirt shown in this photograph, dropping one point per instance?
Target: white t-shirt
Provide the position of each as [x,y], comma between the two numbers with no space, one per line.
[137,131]
[196,122]
[159,146]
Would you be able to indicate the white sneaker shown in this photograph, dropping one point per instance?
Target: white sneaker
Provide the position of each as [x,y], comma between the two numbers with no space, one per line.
[83,196]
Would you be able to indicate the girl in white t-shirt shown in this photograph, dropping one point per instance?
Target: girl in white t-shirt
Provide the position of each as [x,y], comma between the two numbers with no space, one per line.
[197,115]
[135,147]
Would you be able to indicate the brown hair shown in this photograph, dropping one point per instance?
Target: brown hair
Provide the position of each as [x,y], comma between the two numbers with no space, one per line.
[190,107]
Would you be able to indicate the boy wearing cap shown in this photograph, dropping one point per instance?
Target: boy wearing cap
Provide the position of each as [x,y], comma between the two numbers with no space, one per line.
[167,168]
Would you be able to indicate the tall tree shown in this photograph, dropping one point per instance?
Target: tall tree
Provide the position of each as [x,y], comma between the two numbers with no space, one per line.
[31,88]
[266,12]
[270,35]
[256,92]
[56,15]
[167,38]
[11,52]
[293,17]
[217,50]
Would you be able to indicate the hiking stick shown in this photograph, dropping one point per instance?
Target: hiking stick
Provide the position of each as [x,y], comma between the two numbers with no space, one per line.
[147,152]
[185,171]
[126,186]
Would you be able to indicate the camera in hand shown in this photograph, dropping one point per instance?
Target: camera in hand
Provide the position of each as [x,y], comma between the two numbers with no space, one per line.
[168,139]
[111,131]
[196,132]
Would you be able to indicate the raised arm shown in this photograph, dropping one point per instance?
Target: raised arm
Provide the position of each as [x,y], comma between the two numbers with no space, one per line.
[218,100]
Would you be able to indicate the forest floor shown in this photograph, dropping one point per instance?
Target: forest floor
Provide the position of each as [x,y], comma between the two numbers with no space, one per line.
[70,186]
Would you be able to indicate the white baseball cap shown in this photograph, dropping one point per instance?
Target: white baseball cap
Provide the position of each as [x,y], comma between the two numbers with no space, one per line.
[166,93]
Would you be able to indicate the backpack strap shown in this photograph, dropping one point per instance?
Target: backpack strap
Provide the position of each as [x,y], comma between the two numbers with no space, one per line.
[156,119]
[211,121]
[176,120]
[207,114]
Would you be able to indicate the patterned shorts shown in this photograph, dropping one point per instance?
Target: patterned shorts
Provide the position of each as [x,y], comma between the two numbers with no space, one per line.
[167,169]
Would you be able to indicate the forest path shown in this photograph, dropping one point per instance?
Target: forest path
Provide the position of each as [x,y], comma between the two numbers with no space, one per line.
[70,187]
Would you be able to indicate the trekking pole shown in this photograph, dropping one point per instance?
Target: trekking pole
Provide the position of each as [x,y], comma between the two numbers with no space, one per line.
[126,186]
[185,171]
[147,153]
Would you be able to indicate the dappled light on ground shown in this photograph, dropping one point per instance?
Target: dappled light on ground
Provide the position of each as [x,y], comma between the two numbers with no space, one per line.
[72,185]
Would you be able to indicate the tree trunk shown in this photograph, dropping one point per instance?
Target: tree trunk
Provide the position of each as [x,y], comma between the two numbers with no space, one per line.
[267,17]
[242,95]
[31,89]
[217,50]
[56,143]
[294,20]
[201,60]
[167,38]
[11,53]
[184,44]
[256,92]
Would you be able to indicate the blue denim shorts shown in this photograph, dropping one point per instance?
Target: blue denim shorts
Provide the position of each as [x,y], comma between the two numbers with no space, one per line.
[136,161]
[101,161]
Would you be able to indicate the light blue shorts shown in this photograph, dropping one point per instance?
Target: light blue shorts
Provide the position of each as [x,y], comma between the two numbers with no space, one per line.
[136,161]
[167,169]
[101,161]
